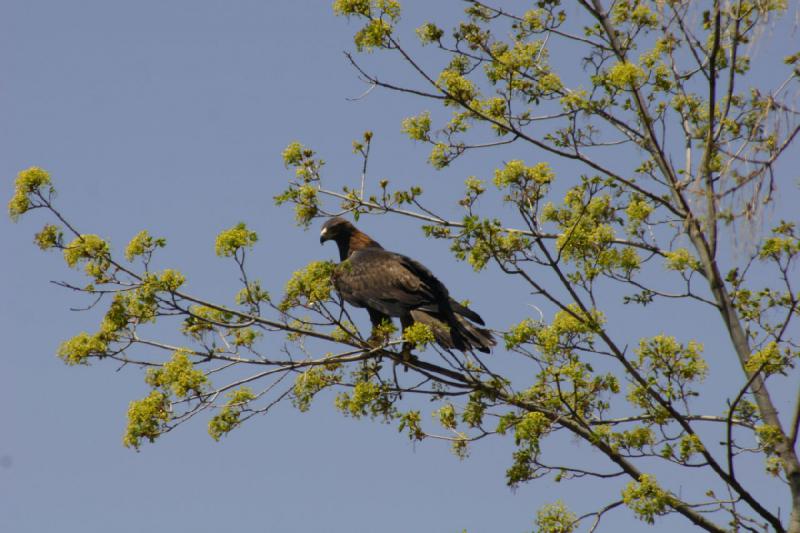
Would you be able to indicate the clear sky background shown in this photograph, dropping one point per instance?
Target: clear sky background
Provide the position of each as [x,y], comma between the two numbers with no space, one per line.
[171,116]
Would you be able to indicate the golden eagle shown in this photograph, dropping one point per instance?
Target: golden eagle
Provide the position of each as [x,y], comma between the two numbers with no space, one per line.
[388,284]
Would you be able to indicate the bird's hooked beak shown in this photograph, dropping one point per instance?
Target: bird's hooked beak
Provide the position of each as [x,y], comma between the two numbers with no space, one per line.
[323,235]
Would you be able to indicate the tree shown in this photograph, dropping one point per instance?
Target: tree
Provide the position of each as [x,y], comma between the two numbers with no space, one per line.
[678,146]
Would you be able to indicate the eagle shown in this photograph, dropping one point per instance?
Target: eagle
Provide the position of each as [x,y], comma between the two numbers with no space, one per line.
[389,284]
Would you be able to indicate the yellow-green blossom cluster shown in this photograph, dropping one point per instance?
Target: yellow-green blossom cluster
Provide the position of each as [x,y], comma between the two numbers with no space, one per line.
[681,260]
[302,191]
[229,415]
[28,182]
[178,376]
[309,383]
[512,62]
[769,438]
[252,294]
[783,243]
[587,234]
[647,499]
[411,422]
[310,285]
[575,100]
[555,518]
[638,210]
[49,237]
[634,11]
[625,75]
[631,439]
[531,428]
[380,15]
[147,419]
[142,244]
[419,334]
[446,415]
[232,240]
[429,33]
[367,398]
[689,446]
[418,128]
[517,173]
[91,250]
[202,319]
[665,355]
[79,348]
[481,240]
[771,359]
[672,368]
[567,327]
[459,89]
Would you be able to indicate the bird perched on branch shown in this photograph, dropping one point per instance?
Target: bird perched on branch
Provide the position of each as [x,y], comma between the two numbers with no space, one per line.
[388,284]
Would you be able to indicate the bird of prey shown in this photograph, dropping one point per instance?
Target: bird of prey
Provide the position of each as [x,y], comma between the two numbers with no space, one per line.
[388,284]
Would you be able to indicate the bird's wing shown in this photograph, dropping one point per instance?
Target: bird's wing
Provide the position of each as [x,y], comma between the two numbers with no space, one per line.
[387,282]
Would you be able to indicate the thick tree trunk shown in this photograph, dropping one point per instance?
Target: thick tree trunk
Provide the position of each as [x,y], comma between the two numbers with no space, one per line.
[766,408]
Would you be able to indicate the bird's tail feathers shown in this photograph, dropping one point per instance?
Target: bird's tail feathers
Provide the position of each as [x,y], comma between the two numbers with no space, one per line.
[460,334]
[465,311]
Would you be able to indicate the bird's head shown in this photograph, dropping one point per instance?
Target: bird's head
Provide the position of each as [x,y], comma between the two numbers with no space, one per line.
[336,229]
[347,237]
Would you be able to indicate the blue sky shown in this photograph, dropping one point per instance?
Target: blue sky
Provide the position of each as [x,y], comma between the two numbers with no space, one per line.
[171,116]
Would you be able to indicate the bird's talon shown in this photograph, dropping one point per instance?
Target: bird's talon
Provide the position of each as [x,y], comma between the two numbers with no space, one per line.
[406,356]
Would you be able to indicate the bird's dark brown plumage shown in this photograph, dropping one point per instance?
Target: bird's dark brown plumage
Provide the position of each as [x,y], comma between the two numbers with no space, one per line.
[388,284]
